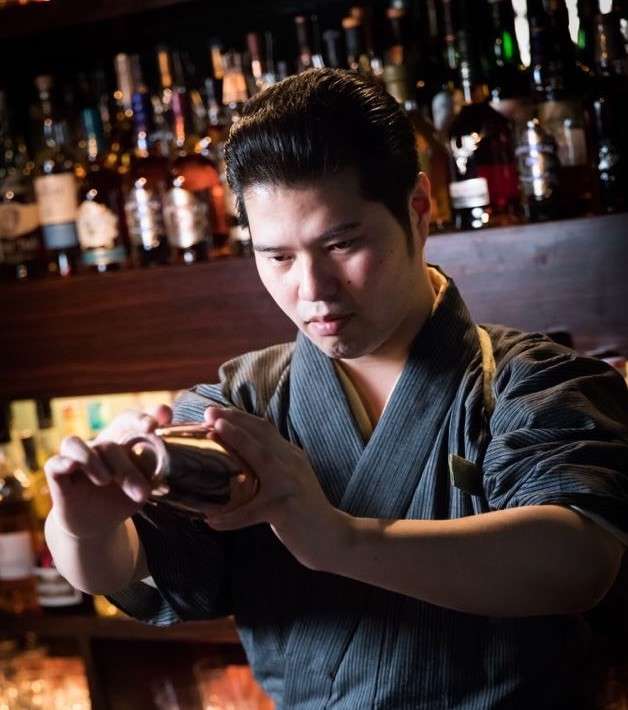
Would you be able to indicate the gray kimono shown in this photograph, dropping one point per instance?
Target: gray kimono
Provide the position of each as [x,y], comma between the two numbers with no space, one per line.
[557,434]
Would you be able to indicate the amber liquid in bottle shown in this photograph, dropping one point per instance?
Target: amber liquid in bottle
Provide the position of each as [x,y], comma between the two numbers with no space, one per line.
[18,584]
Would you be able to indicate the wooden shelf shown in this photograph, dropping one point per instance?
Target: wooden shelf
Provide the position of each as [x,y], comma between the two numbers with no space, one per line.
[218,631]
[171,327]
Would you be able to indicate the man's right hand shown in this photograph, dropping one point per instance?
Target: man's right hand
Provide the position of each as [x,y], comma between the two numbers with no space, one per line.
[95,487]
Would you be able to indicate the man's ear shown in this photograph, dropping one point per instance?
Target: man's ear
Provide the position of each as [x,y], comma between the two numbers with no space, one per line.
[421,208]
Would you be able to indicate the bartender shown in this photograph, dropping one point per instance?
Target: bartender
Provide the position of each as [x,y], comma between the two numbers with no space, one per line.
[438,501]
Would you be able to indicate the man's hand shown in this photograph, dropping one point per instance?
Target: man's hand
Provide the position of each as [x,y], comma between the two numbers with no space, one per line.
[95,486]
[290,498]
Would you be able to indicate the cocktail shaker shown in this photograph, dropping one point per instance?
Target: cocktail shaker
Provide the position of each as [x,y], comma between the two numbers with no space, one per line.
[189,471]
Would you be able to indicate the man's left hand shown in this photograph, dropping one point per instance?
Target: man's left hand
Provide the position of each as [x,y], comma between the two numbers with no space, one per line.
[290,498]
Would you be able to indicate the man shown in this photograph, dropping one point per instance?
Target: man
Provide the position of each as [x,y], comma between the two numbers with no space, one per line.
[438,502]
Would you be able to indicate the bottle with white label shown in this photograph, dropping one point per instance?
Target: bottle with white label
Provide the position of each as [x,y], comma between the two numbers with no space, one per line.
[18,529]
[100,219]
[56,188]
[20,234]
[147,183]
[485,188]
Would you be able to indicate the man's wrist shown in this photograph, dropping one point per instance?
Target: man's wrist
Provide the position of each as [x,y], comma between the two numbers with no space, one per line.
[340,544]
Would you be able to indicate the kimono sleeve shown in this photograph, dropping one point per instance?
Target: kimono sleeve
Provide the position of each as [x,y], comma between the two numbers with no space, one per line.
[186,559]
[559,434]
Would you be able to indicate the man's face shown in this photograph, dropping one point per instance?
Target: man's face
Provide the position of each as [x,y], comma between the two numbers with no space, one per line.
[336,264]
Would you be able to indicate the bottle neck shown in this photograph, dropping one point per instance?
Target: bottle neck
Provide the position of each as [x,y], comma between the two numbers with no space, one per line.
[94,134]
[142,124]
[609,54]
[184,135]
[472,80]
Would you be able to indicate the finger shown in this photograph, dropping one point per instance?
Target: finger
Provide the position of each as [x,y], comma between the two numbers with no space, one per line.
[124,472]
[59,468]
[161,413]
[254,425]
[129,420]
[244,445]
[75,448]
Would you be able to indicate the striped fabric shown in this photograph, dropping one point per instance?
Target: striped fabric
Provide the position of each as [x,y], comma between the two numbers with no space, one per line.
[558,434]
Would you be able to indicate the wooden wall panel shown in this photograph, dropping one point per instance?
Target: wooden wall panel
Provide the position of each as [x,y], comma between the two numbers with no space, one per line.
[169,327]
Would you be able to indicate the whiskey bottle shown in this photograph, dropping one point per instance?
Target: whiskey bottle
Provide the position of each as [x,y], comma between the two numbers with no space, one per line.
[334,49]
[508,81]
[188,201]
[608,108]
[310,54]
[18,530]
[357,56]
[485,188]
[560,110]
[433,155]
[448,98]
[20,234]
[100,219]
[56,188]
[539,172]
[55,594]
[148,180]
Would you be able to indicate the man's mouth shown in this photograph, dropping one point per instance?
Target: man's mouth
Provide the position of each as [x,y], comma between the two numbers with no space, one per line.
[328,325]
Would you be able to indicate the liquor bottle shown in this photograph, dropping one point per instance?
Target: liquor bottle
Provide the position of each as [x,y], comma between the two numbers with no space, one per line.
[310,53]
[357,57]
[260,76]
[334,49]
[148,180]
[100,220]
[587,11]
[122,144]
[620,10]
[21,243]
[509,84]
[484,191]
[448,98]
[433,155]
[363,14]
[56,188]
[555,80]
[539,172]
[195,193]
[18,530]
[55,594]
[234,96]
[608,108]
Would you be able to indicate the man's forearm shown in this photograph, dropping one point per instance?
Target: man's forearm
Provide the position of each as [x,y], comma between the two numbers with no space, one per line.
[517,562]
[100,564]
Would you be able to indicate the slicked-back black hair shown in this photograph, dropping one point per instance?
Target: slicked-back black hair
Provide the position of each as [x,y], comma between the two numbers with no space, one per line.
[318,124]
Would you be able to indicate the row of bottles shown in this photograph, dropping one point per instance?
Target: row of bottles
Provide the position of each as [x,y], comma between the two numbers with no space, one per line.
[29,581]
[137,176]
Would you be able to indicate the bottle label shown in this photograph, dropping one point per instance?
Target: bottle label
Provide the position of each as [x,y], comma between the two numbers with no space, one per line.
[17,557]
[186,218]
[56,198]
[97,225]
[17,219]
[60,236]
[143,213]
[104,257]
[53,590]
[469,193]
[538,168]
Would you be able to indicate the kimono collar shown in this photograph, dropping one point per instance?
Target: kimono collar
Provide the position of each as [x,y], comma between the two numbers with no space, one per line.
[359,477]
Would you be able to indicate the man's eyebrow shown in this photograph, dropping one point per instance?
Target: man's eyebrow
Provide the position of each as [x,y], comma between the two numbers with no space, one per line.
[333,233]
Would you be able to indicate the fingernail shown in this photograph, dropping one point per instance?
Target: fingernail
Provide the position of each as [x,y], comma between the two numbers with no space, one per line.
[137,493]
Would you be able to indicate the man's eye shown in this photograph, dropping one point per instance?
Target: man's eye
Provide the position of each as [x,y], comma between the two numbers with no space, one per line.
[279,258]
[342,246]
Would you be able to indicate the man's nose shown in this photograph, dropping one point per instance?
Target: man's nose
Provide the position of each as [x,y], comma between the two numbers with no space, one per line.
[317,282]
